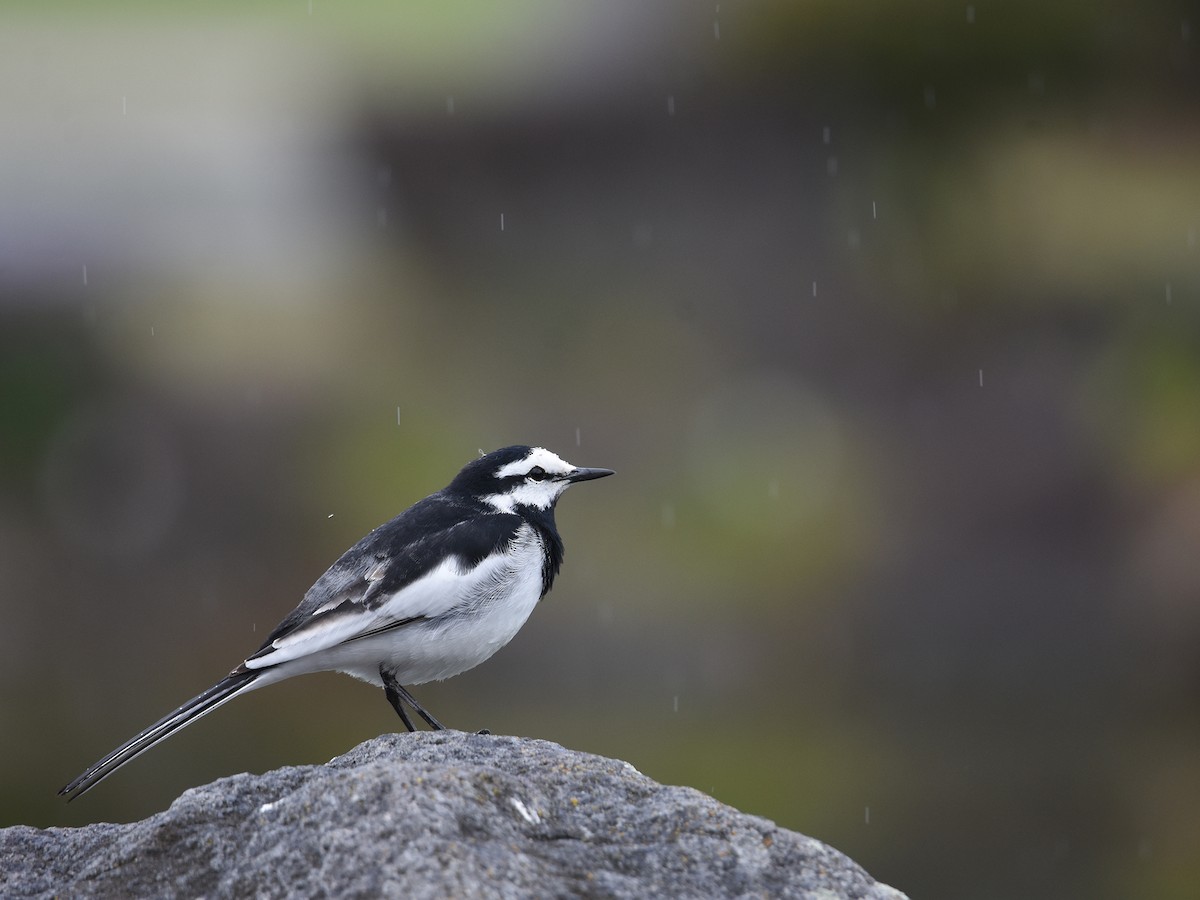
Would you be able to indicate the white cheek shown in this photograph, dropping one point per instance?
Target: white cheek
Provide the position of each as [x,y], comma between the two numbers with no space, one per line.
[539,494]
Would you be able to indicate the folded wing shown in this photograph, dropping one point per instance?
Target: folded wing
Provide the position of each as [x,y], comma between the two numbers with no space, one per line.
[388,580]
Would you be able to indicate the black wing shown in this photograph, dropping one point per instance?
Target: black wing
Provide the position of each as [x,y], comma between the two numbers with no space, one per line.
[346,601]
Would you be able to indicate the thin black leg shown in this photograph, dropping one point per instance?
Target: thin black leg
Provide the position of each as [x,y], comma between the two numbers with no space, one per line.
[398,696]
[421,711]
[389,689]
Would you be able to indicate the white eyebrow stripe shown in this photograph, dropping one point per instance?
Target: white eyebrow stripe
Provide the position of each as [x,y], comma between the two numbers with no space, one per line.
[539,456]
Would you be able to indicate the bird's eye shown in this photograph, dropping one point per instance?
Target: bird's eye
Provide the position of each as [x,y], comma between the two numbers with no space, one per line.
[537,473]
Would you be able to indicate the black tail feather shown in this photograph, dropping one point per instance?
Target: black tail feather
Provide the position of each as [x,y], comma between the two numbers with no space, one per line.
[225,689]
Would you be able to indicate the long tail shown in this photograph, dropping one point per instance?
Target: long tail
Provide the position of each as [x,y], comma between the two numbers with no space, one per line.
[223,691]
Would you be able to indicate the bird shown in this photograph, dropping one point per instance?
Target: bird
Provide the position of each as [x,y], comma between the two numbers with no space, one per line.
[426,596]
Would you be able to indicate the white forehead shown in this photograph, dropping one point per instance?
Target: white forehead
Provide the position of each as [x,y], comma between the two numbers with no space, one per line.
[538,456]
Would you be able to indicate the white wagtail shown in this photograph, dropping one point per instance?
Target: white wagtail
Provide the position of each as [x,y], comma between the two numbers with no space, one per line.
[434,592]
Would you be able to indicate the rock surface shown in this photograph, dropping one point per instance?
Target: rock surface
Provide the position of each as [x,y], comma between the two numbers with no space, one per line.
[436,814]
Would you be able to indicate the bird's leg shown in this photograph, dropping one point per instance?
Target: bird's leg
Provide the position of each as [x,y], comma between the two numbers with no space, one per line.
[389,689]
[421,711]
[396,694]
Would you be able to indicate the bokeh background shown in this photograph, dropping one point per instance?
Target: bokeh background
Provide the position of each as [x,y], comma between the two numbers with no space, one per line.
[887,314]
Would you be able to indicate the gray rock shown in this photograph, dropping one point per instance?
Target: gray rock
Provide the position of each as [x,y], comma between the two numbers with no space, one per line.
[436,814]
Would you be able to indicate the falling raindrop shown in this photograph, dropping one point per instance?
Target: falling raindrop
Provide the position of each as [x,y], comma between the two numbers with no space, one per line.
[670,104]
[450,105]
[716,29]
[970,15]
[397,415]
[1168,292]
[577,436]
[981,377]
[85,275]
[814,289]
[501,221]
[874,211]
[675,704]
[867,815]
[826,135]
[831,165]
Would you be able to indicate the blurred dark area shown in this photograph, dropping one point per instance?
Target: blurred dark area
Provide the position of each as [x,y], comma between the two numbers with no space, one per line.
[887,315]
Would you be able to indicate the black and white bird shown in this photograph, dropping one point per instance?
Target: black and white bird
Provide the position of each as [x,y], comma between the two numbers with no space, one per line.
[431,594]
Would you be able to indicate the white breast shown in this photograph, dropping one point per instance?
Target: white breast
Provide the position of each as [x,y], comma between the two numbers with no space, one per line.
[494,601]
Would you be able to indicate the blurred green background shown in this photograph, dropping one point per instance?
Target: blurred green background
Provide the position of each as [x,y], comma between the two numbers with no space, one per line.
[887,314]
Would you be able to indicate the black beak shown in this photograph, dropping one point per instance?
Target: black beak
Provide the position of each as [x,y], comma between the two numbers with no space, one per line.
[587,474]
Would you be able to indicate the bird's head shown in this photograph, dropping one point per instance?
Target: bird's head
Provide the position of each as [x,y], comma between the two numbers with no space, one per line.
[520,476]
